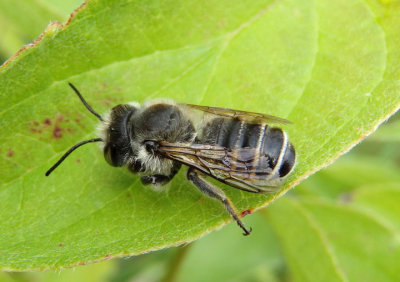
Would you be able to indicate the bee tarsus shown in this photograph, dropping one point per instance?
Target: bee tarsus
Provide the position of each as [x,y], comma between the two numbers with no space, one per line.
[213,192]
[157,179]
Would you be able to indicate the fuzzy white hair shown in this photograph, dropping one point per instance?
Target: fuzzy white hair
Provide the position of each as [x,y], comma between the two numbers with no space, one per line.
[154,164]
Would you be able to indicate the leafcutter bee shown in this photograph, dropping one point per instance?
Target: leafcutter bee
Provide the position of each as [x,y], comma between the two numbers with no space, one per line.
[235,147]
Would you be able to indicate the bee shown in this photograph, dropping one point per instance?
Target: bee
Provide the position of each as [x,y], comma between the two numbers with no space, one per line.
[237,148]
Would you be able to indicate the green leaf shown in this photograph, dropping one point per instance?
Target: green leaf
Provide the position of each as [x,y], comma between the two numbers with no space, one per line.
[255,258]
[22,21]
[146,267]
[92,273]
[380,200]
[350,172]
[356,240]
[331,67]
[389,133]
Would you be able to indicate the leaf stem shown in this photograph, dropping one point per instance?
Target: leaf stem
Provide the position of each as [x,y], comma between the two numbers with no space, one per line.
[175,264]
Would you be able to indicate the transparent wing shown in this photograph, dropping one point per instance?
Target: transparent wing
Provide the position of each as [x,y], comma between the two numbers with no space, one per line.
[242,115]
[234,167]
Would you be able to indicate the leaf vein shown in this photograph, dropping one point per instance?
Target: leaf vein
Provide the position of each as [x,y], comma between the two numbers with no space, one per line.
[324,240]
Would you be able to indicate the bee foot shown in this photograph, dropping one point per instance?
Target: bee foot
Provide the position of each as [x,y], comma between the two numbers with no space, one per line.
[156,179]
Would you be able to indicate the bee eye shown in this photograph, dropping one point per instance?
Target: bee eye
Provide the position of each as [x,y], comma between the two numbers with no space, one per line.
[113,155]
[107,155]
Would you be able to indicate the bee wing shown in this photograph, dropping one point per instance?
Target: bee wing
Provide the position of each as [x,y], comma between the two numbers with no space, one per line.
[242,115]
[231,166]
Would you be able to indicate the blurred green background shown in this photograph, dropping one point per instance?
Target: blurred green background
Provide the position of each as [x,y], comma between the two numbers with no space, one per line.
[270,253]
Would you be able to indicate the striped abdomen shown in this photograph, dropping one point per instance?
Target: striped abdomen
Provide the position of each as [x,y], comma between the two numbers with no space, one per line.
[274,156]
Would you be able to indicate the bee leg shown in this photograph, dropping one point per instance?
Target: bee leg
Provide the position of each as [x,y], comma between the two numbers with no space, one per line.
[155,179]
[160,179]
[214,192]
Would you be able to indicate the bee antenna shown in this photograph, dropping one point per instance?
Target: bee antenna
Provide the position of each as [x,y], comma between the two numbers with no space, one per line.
[69,152]
[84,102]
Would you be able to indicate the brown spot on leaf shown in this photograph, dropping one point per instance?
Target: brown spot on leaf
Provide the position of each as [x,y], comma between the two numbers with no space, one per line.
[34,130]
[111,101]
[47,122]
[78,161]
[107,103]
[57,132]
[46,126]
[10,153]
[60,245]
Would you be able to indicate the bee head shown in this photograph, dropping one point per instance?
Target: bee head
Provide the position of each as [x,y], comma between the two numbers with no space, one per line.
[116,135]
[128,134]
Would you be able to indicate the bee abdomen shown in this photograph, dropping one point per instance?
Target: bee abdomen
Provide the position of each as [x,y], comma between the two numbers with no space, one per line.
[231,133]
[288,161]
[278,151]
[274,155]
